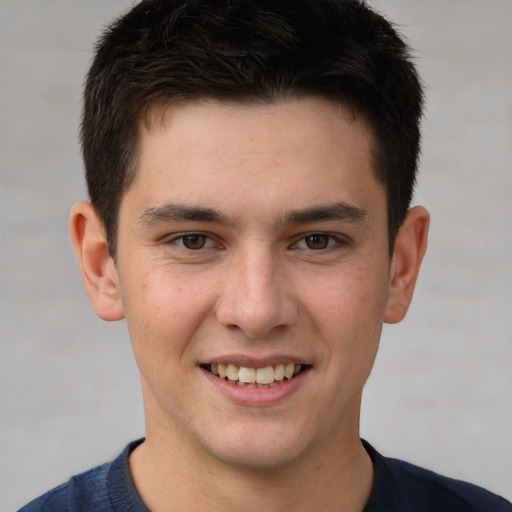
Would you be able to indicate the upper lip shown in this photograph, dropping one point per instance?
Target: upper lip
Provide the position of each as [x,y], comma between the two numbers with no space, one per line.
[258,362]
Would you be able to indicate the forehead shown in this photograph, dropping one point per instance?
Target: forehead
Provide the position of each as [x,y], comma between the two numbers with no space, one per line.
[312,112]
[293,151]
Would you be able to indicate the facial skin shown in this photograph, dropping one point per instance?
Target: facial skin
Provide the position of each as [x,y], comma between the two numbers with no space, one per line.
[257,235]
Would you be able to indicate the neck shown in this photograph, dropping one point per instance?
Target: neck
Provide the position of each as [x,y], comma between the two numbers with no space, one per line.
[169,476]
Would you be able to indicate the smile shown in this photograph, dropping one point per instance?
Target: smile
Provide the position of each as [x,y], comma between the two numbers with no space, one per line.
[265,377]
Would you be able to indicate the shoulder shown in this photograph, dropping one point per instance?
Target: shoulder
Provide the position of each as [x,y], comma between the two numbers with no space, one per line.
[440,491]
[86,486]
[52,500]
[92,491]
[400,486]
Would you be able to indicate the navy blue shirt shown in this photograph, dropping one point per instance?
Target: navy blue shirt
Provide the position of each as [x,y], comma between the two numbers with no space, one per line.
[398,487]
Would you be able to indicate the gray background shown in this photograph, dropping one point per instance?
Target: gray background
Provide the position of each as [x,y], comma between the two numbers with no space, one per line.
[440,394]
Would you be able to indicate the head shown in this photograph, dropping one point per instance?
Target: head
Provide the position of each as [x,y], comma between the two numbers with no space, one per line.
[166,53]
[250,167]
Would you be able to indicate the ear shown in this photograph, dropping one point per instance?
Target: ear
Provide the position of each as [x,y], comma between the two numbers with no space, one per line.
[99,273]
[410,247]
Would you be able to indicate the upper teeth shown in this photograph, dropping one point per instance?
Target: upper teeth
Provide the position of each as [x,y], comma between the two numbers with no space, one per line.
[266,375]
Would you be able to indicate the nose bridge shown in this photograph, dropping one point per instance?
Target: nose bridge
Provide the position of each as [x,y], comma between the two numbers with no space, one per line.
[255,296]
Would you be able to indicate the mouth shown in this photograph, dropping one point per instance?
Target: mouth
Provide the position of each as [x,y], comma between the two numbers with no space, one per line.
[268,376]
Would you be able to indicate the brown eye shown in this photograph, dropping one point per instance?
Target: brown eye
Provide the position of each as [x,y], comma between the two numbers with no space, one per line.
[317,241]
[194,242]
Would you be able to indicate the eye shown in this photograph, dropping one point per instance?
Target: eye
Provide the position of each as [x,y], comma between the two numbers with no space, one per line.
[317,242]
[194,241]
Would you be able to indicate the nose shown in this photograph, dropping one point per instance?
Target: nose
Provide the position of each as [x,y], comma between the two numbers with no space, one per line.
[256,296]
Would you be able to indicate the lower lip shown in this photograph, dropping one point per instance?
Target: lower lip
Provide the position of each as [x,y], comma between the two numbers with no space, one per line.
[257,397]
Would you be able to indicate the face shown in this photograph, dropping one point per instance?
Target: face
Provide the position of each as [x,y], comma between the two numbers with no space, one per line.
[253,241]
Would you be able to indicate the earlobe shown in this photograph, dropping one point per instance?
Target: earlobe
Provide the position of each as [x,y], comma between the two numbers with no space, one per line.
[99,274]
[410,247]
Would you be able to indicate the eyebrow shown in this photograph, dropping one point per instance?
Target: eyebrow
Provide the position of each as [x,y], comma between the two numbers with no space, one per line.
[172,212]
[343,212]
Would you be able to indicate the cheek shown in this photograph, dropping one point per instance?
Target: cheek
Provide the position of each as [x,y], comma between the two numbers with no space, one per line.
[349,311]
[161,313]
[359,293]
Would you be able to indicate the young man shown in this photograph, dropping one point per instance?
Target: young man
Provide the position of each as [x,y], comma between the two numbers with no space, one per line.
[250,166]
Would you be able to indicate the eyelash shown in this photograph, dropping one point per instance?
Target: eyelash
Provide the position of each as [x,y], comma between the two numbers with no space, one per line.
[330,241]
[180,240]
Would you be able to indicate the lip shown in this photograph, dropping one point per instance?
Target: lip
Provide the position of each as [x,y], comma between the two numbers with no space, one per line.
[257,362]
[256,397]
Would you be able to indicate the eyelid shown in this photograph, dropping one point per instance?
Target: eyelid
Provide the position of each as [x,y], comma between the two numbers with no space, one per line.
[337,239]
[175,238]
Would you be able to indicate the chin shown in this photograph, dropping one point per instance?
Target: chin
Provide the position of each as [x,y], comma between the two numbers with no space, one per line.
[253,460]
[254,451]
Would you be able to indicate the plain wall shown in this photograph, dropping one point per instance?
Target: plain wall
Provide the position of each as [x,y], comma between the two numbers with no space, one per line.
[440,394]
